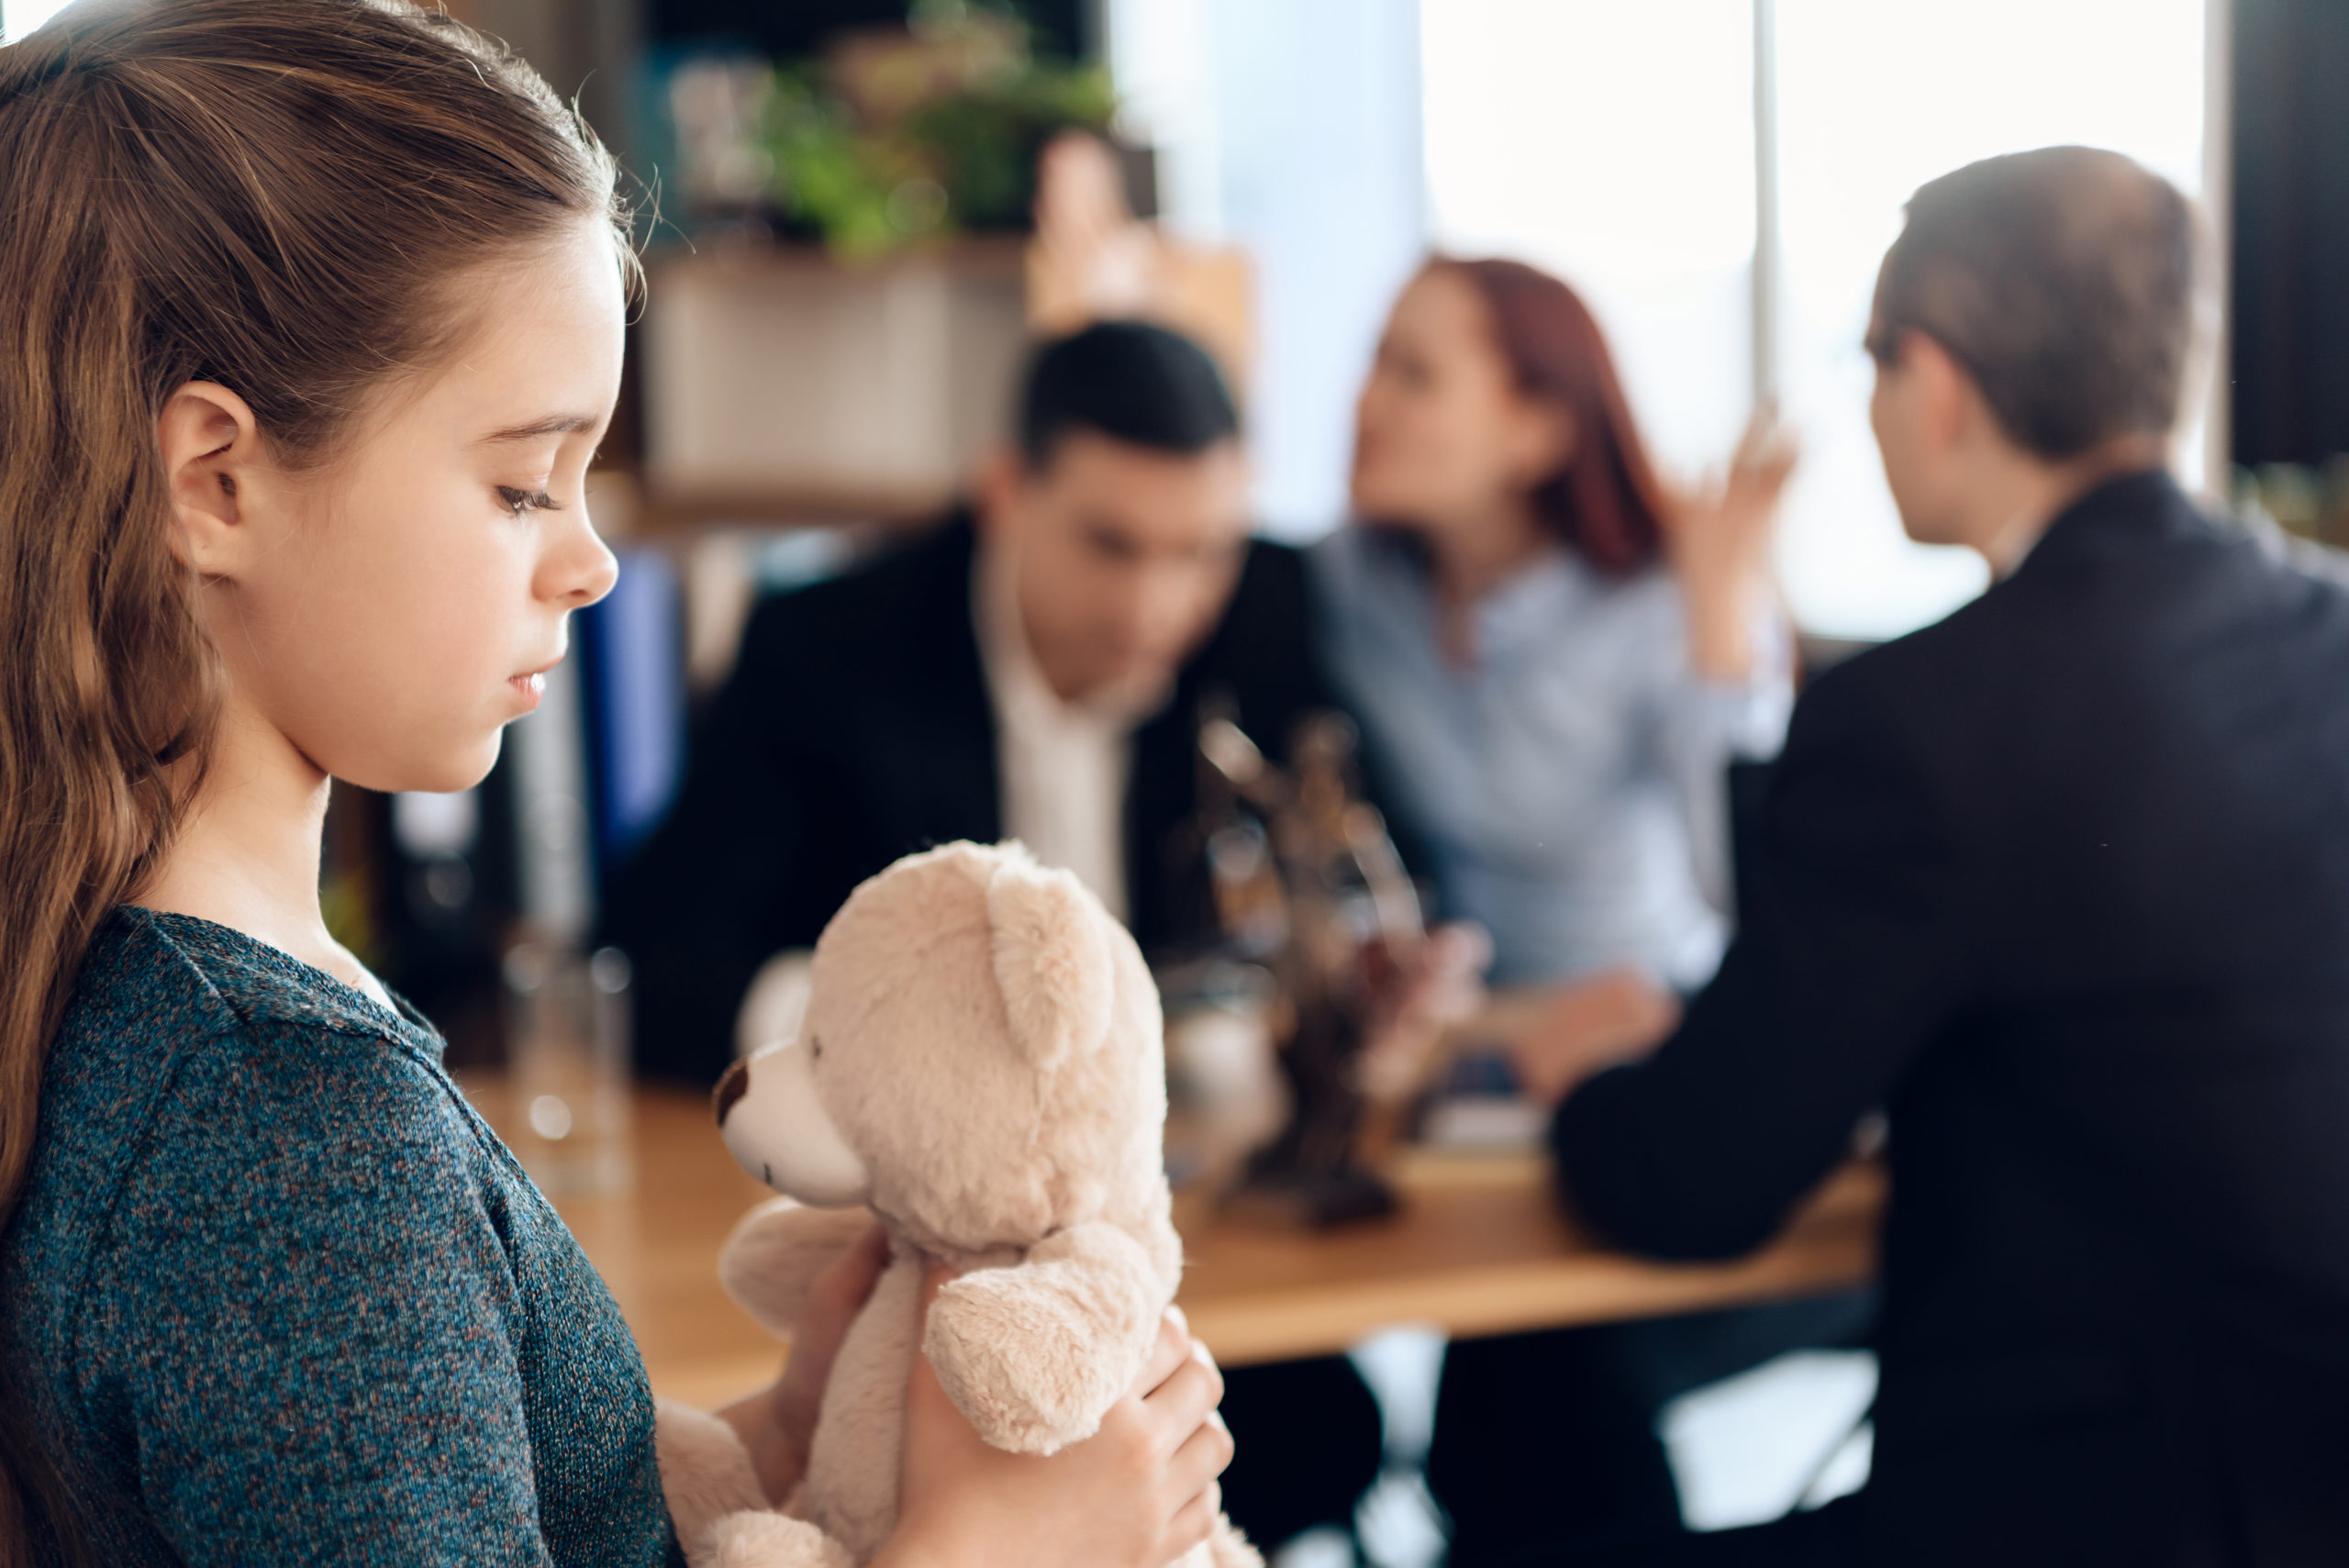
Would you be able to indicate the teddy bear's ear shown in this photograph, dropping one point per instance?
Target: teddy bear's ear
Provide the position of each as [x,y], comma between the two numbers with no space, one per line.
[1052,960]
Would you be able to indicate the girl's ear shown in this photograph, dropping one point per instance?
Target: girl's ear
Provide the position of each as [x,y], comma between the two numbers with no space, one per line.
[210,443]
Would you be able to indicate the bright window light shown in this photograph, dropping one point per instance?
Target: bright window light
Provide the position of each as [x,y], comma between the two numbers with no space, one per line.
[1614,144]
[1874,100]
[1611,144]
[19,17]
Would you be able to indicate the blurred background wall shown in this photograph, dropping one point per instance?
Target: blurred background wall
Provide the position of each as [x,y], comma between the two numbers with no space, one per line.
[829,339]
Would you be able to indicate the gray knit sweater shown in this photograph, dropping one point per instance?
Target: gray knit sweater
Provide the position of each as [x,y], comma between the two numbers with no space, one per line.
[276,1295]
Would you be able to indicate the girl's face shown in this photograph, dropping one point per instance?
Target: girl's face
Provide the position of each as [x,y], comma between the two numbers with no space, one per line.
[390,614]
[1443,435]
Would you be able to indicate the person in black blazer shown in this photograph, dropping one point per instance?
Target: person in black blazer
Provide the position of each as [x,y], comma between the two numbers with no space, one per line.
[862,720]
[857,728]
[2061,884]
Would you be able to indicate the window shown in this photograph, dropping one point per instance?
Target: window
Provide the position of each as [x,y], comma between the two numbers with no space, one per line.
[1874,100]
[1290,129]
[19,17]
[1615,145]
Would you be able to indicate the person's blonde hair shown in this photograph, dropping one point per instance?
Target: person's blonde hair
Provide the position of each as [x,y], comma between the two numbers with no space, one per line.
[279,195]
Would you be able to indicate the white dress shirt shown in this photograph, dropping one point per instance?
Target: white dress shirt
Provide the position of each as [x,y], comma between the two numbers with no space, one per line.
[1062,766]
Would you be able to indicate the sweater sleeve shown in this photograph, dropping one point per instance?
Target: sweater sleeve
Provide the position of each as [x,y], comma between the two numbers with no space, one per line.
[306,1323]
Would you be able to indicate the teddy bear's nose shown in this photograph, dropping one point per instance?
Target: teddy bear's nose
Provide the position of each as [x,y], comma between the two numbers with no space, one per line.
[730,1088]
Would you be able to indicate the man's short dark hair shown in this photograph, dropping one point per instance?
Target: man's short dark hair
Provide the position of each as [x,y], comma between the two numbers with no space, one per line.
[2063,281]
[1126,380]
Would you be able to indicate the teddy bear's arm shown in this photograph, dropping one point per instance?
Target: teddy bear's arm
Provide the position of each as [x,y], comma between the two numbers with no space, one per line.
[776,1254]
[721,1518]
[706,1474]
[1034,1354]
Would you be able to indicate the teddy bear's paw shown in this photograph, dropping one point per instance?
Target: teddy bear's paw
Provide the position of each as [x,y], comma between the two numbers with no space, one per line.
[706,1474]
[1035,1353]
[1022,1390]
[771,1540]
[1225,1548]
[771,1262]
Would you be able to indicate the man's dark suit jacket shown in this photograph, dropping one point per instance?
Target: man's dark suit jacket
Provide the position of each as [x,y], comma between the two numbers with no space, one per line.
[857,728]
[2063,882]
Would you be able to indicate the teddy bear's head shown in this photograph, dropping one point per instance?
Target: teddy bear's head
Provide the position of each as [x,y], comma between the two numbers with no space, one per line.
[979,1061]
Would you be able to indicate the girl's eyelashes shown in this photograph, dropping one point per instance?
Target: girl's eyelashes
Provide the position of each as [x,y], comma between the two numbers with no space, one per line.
[518,502]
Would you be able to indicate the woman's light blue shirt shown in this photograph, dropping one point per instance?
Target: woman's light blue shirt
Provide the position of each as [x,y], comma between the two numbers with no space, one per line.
[1570,784]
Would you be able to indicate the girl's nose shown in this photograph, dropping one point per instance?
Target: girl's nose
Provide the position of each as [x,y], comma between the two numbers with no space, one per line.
[579,568]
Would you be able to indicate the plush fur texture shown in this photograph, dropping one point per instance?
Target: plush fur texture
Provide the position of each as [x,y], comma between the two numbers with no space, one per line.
[987,1042]
[771,1262]
[758,1540]
[706,1474]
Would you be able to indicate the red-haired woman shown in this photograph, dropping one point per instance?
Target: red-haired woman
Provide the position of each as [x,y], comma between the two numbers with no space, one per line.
[1553,658]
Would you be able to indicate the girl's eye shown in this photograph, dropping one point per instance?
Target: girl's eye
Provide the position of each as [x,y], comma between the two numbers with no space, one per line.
[518,502]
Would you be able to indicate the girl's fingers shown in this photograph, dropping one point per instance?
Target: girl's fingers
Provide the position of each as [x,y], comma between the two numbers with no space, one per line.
[873,1247]
[1199,1353]
[934,1277]
[1205,1454]
[923,1387]
[1167,1353]
[1193,1522]
[1181,1405]
[844,1286]
[925,1395]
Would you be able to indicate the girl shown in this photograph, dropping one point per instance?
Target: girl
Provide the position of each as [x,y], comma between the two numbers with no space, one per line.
[310,320]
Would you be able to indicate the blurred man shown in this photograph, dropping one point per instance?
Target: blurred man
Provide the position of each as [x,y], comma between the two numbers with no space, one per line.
[2061,882]
[1034,669]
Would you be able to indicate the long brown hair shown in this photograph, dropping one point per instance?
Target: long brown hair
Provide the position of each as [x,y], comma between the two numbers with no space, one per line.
[1605,502]
[280,196]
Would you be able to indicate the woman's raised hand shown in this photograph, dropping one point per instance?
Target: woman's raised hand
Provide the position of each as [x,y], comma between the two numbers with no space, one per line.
[1718,541]
[1138,1494]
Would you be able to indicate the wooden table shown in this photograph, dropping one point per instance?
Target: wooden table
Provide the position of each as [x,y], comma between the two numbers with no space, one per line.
[1480,1248]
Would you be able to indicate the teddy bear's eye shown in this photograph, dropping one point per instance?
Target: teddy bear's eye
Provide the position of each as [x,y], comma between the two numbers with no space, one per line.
[815,1049]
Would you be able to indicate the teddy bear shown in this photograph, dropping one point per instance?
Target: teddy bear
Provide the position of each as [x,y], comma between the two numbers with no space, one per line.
[980,1067]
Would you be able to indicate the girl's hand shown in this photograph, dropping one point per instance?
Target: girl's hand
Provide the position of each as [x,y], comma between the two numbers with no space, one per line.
[777,1423]
[1718,541]
[1138,1494]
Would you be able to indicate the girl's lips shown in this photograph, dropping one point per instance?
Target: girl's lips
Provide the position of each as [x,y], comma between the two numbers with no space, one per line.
[529,688]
